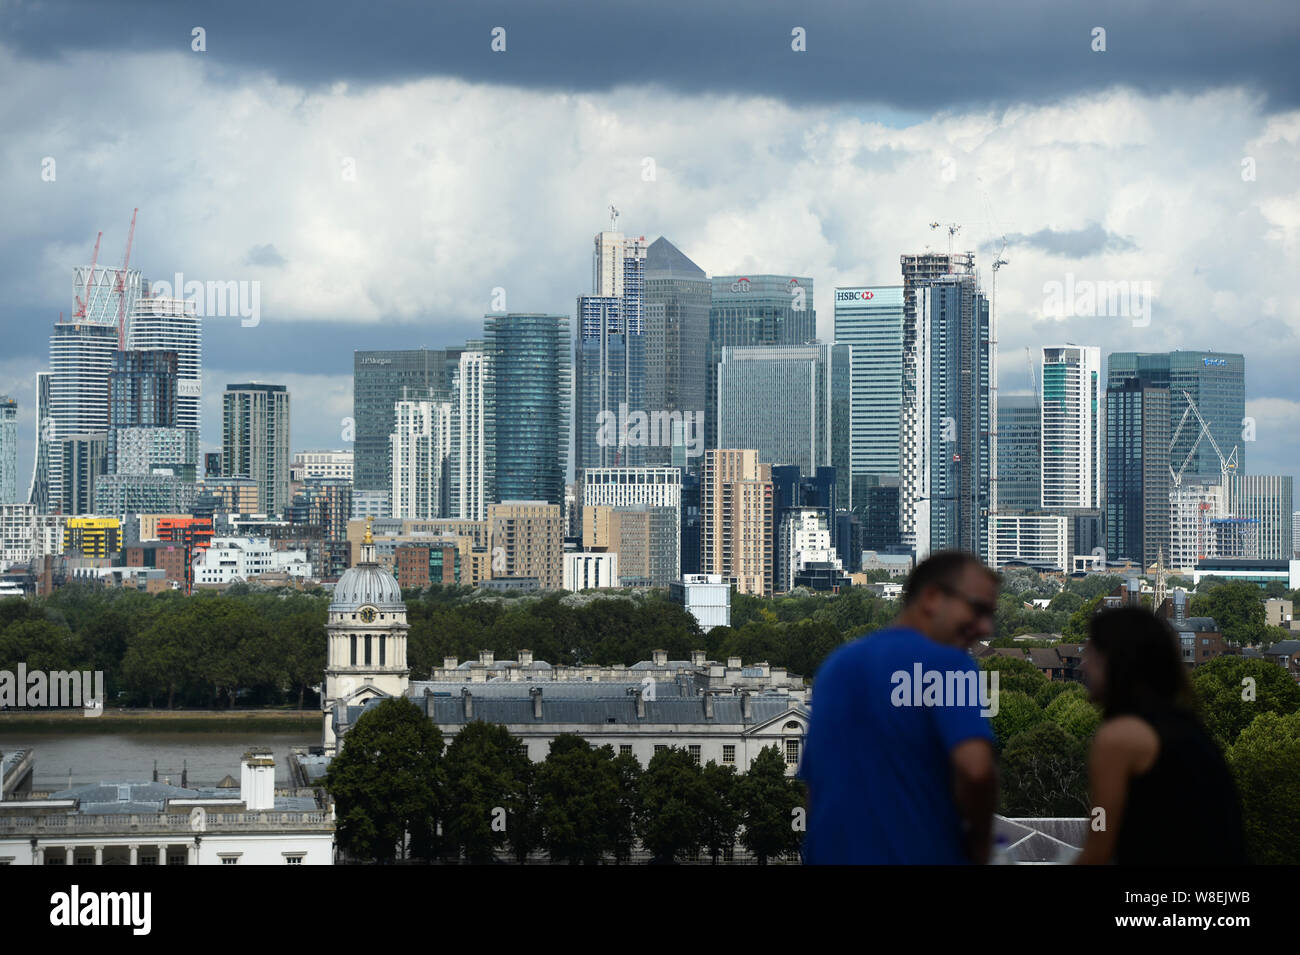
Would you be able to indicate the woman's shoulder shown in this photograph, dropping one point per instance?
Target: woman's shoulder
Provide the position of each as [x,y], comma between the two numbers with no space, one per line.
[1129,738]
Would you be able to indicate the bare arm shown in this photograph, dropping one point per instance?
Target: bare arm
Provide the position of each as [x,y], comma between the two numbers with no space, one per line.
[1123,748]
[975,790]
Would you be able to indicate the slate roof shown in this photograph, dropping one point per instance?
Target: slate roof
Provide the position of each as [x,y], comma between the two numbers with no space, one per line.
[688,710]
[519,689]
[1287,647]
[103,798]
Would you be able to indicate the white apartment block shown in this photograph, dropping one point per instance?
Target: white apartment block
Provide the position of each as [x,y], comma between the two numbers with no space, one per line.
[26,536]
[1192,508]
[805,538]
[421,444]
[1037,538]
[173,324]
[585,570]
[322,464]
[229,559]
[1071,457]
[471,476]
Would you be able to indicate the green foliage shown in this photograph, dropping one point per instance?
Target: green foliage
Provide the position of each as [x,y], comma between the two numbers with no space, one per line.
[1073,712]
[577,788]
[487,776]
[721,816]
[673,803]
[1093,585]
[1220,686]
[1237,607]
[386,781]
[1017,712]
[1266,763]
[1044,773]
[1015,674]
[767,799]
[1076,628]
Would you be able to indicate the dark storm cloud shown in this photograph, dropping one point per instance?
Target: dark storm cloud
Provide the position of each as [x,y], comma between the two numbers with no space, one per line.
[1073,244]
[264,255]
[919,55]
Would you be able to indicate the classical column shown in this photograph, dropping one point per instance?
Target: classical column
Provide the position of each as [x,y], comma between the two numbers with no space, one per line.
[192,853]
[99,855]
[135,855]
[71,853]
[38,854]
[162,855]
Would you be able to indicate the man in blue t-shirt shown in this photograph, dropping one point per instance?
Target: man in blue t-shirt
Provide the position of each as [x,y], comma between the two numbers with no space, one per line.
[898,759]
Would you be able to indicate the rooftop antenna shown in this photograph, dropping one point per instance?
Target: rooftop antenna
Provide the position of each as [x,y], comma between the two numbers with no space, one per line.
[613,219]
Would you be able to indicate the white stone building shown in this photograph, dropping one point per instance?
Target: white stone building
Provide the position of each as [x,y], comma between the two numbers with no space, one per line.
[231,559]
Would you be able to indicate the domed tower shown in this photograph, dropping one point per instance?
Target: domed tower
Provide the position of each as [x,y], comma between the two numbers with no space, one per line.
[367,641]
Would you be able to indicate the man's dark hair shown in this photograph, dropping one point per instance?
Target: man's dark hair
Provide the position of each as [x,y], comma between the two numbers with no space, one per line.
[942,569]
[1144,665]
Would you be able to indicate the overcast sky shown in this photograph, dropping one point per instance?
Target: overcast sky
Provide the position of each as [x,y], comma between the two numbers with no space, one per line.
[380,171]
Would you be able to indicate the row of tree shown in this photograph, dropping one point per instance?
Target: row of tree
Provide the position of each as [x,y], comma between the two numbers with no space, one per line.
[399,794]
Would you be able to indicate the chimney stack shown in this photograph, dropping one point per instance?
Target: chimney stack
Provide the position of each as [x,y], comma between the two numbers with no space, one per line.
[450,663]
[536,694]
[640,703]
[525,658]
[733,663]
[467,698]
[660,657]
[485,657]
[257,781]
[746,707]
[699,658]
[708,705]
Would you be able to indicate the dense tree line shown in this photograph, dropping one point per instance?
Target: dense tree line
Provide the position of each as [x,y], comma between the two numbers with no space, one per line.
[400,794]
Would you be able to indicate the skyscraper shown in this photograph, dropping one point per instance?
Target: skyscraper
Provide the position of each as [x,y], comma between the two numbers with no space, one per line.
[870,321]
[1071,432]
[255,441]
[1264,500]
[81,357]
[8,450]
[39,492]
[755,310]
[789,402]
[471,480]
[677,299]
[526,411]
[609,356]
[143,395]
[421,448]
[1137,473]
[1216,381]
[736,519]
[378,380]
[1019,441]
[173,325]
[946,419]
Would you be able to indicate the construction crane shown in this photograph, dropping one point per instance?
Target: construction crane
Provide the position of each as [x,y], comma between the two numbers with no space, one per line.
[83,304]
[953,229]
[613,219]
[998,262]
[1226,465]
[120,288]
[1033,377]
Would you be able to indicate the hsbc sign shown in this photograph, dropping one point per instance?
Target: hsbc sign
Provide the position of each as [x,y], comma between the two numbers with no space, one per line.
[854,295]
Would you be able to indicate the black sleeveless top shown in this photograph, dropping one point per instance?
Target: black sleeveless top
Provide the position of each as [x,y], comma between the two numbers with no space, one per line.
[1184,810]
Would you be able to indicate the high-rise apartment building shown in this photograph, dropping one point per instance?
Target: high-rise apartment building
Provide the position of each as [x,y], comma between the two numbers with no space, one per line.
[421,466]
[142,395]
[789,402]
[1216,381]
[1019,444]
[321,464]
[527,540]
[736,519]
[1265,501]
[8,450]
[39,491]
[83,459]
[173,325]
[255,441]
[1071,428]
[1138,481]
[678,294]
[645,538]
[755,310]
[81,359]
[379,380]
[945,459]
[471,480]
[526,412]
[609,356]
[656,488]
[870,321]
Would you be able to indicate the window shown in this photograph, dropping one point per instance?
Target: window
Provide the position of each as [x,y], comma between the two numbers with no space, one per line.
[659,748]
[625,749]
[354,649]
[791,752]
[728,754]
[292,860]
[232,859]
[367,649]
[695,754]
[176,859]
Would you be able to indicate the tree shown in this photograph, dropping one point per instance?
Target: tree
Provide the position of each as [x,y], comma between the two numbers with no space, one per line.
[767,799]
[386,781]
[721,817]
[1075,714]
[673,799]
[1076,628]
[1017,712]
[1044,773]
[1234,690]
[577,790]
[1237,607]
[486,772]
[620,824]
[1266,763]
[1015,673]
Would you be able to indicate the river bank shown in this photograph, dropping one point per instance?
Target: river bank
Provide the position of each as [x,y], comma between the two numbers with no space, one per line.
[113,721]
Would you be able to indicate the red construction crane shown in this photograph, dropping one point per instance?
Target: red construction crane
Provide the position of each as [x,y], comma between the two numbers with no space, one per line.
[82,305]
[120,287]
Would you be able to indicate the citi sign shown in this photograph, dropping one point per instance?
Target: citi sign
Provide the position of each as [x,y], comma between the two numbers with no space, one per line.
[854,295]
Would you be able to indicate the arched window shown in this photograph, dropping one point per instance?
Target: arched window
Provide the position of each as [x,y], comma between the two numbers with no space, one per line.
[381,649]
[354,649]
[367,649]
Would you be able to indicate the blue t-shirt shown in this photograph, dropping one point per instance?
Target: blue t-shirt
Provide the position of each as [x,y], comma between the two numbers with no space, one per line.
[876,759]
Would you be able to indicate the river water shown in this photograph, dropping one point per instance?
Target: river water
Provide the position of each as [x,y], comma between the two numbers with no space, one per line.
[129,757]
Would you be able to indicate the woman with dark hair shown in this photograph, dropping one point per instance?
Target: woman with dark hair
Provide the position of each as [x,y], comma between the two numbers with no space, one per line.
[1167,794]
